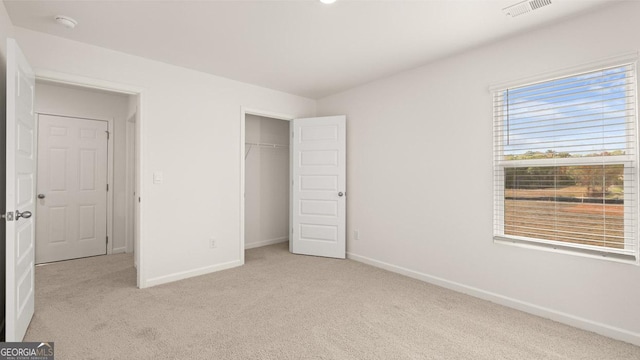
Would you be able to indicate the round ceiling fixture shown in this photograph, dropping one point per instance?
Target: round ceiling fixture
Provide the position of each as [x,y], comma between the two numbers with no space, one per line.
[327,1]
[66,21]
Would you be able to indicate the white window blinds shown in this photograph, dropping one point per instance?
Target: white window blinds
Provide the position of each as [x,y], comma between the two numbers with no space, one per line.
[565,162]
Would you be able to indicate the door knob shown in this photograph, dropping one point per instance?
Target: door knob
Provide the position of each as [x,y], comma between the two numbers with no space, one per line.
[24,214]
[41,196]
[340,193]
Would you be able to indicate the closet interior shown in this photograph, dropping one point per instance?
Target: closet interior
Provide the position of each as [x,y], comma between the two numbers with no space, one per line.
[266,181]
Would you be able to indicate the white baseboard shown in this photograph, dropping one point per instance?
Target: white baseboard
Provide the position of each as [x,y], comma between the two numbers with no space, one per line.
[265,242]
[119,250]
[575,321]
[190,273]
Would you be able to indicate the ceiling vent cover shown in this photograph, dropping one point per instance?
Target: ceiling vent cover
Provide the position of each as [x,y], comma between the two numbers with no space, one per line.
[525,7]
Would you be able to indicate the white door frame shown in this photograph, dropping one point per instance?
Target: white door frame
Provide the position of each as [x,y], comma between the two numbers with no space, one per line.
[244,111]
[91,83]
[110,165]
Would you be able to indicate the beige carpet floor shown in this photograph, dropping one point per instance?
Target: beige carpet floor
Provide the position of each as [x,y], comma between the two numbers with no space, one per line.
[283,306]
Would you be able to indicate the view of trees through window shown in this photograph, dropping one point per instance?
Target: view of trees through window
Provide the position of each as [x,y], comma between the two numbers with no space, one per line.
[575,133]
[577,204]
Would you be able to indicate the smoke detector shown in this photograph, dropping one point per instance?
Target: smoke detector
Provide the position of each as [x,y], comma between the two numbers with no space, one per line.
[525,7]
[66,21]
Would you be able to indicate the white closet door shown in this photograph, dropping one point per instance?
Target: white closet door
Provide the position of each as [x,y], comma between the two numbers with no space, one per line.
[318,190]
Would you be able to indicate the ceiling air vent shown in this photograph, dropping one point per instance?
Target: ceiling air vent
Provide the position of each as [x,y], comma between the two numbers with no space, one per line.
[524,7]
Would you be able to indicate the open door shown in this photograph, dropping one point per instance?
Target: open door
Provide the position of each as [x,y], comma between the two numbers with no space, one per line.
[318,173]
[20,199]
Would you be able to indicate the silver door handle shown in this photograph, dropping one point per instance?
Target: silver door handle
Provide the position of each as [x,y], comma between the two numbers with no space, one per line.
[41,196]
[340,193]
[24,214]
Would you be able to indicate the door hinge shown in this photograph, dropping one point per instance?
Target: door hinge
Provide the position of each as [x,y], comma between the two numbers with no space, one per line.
[107,240]
[107,187]
[107,134]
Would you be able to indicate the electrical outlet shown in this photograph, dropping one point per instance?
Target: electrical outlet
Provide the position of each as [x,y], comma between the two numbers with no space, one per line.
[212,243]
[356,234]
[158,177]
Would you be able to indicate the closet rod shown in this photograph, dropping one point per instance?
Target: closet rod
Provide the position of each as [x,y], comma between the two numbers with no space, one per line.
[266,145]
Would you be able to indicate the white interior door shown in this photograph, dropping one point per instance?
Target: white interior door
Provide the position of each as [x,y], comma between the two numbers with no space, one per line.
[318,170]
[20,192]
[72,188]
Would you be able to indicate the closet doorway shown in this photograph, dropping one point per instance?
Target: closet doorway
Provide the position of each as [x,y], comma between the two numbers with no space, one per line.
[266,180]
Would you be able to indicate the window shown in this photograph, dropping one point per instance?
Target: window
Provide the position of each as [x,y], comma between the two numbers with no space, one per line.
[565,163]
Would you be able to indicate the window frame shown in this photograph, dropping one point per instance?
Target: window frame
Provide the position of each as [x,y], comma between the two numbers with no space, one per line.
[631,252]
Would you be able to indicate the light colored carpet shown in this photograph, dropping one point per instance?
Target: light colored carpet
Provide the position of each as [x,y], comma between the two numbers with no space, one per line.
[283,306]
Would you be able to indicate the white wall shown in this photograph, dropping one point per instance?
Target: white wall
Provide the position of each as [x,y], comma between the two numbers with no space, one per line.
[266,182]
[191,132]
[84,103]
[420,177]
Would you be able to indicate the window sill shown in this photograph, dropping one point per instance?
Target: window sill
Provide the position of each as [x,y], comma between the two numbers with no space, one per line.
[594,254]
